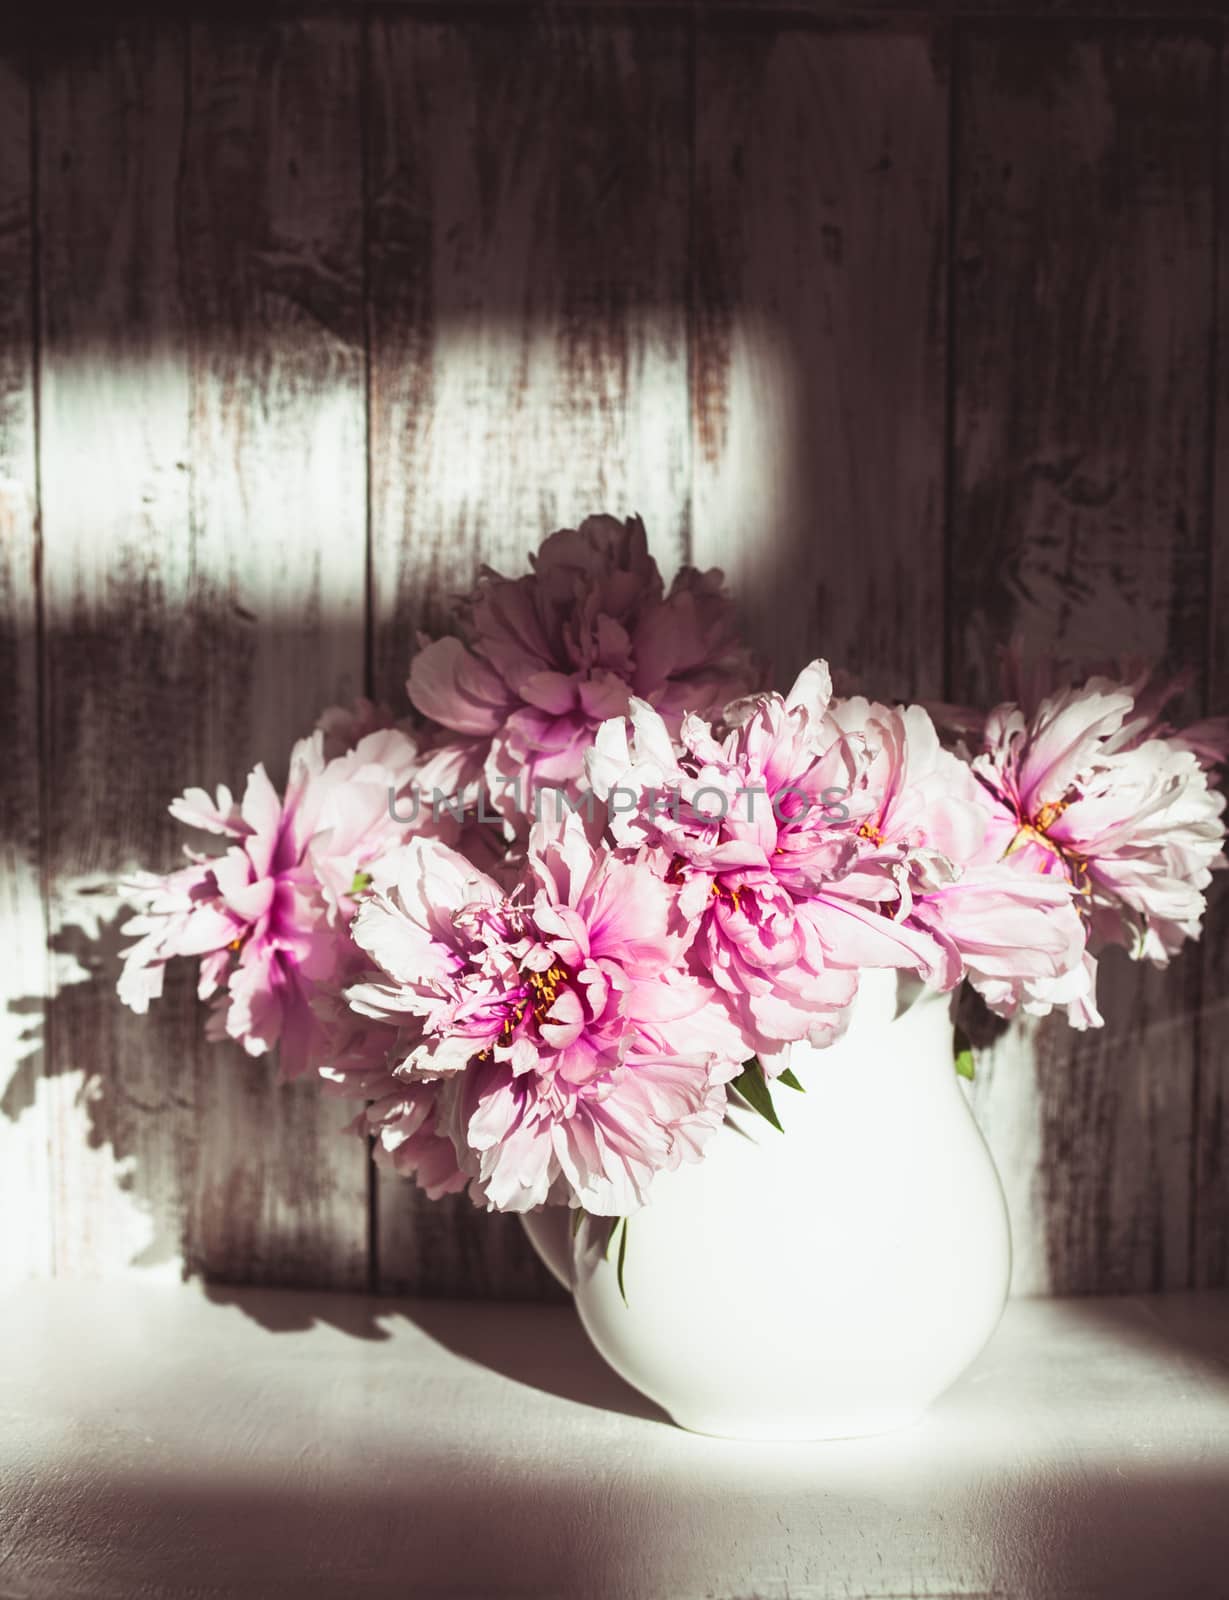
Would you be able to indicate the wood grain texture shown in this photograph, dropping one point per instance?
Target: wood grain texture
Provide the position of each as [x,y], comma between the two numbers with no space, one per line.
[840,11]
[120,671]
[628,260]
[1082,316]
[1210,1117]
[528,283]
[1210,1229]
[818,351]
[203,471]
[270,233]
[25,1189]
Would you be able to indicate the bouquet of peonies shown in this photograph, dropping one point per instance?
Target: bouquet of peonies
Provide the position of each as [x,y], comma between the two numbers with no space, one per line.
[603,880]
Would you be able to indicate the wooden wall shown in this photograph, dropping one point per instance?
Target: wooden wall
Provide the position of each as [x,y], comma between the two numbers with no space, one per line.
[910,324]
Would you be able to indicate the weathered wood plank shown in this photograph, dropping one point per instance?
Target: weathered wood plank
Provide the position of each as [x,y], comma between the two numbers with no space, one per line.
[840,11]
[25,1190]
[818,352]
[119,668]
[1210,1230]
[202,452]
[1210,1222]
[528,280]
[270,231]
[1082,316]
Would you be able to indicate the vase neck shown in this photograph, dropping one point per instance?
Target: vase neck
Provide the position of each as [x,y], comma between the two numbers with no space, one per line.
[899,1040]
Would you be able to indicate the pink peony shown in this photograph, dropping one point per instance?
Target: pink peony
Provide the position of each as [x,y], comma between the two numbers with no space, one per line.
[403,1115]
[1015,936]
[1027,680]
[554,654]
[538,1012]
[268,917]
[1085,790]
[573,1058]
[765,832]
[1207,739]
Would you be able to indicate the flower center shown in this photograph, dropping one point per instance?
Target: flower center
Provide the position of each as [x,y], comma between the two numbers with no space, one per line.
[510,1024]
[674,872]
[545,987]
[543,990]
[868,830]
[723,891]
[1049,814]
[1038,828]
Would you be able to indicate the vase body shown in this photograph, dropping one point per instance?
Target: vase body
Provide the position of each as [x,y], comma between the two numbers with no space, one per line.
[823,1282]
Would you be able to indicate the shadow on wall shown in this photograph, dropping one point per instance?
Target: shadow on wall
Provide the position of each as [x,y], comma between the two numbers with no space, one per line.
[120,1093]
[190,1160]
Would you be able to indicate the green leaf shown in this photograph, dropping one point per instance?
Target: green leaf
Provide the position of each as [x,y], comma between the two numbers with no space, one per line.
[362,882]
[750,1085]
[963,1050]
[622,1259]
[578,1216]
[789,1080]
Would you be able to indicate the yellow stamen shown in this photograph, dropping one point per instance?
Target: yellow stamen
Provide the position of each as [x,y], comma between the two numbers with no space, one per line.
[546,986]
[506,1029]
[1036,829]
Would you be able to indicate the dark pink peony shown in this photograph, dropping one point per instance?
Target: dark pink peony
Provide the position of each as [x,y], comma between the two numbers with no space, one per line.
[550,656]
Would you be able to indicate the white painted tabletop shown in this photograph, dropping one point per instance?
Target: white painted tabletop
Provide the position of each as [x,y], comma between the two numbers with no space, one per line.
[155,1441]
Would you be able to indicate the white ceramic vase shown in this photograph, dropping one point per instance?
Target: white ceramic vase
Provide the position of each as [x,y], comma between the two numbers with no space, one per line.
[819,1283]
